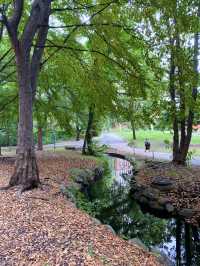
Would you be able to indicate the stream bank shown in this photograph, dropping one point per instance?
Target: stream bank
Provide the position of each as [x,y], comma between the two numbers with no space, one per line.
[110,200]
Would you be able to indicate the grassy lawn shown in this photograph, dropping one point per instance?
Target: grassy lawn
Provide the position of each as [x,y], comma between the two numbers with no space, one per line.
[156,138]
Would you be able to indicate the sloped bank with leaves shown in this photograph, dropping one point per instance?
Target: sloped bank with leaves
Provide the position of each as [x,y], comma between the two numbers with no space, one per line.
[109,203]
[168,191]
[40,227]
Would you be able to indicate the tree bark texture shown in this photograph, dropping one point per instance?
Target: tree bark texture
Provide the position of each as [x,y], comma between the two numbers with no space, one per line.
[185,120]
[40,142]
[133,129]
[28,62]
[87,145]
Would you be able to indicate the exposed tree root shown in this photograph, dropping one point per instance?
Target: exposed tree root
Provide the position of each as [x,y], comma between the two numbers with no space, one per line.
[26,172]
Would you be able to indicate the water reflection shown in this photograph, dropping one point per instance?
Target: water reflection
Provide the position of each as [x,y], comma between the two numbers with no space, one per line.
[112,204]
[120,169]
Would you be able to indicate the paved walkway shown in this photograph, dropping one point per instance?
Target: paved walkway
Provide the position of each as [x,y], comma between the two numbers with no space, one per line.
[116,142]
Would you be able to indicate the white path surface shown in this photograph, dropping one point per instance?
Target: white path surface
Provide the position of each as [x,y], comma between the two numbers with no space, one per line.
[116,142]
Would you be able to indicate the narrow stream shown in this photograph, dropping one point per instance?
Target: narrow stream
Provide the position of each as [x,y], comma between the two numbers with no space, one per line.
[179,243]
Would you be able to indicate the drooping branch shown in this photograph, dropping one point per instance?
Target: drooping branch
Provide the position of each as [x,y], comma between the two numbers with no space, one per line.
[76,27]
[5,79]
[85,50]
[110,24]
[5,54]
[82,7]
[3,107]
[7,64]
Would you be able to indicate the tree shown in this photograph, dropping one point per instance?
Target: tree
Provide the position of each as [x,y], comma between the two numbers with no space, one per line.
[183,84]
[28,66]
[173,25]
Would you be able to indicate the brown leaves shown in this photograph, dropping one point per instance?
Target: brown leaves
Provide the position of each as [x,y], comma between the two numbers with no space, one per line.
[41,227]
[187,193]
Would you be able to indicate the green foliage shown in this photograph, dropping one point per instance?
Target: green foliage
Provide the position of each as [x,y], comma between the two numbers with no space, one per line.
[114,55]
[168,144]
[190,155]
[111,204]
[99,150]
[80,200]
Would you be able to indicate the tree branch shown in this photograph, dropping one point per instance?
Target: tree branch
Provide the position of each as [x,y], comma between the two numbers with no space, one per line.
[88,25]
[83,7]
[3,107]
[13,23]
[5,54]
[37,53]
[86,50]
[17,14]
[38,12]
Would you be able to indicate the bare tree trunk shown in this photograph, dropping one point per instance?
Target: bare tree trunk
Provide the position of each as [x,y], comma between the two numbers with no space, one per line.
[87,145]
[28,65]
[26,170]
[40,142]
[180,151]
[172,91]
[188,244]
[178,241]
[78,133]
[78,129]
[133,129]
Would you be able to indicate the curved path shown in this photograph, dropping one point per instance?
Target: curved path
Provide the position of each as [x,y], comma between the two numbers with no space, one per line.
[116,142]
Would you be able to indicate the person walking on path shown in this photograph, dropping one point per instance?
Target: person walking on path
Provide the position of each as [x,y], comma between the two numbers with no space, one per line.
[147,145]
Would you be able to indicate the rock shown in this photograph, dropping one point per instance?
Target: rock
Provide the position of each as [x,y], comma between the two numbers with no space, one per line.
[164,200]
[138,242]
[109,227]
[143,200]
[187,213]
[98,173]
[151,193]
[163,183]
[156,206]
[169,207]
[96,221]
[70,148]
[164,260]
[82,176]
[62,188]
[162,257]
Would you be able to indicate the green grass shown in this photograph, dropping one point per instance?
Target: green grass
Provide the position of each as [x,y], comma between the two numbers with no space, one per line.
[156,137]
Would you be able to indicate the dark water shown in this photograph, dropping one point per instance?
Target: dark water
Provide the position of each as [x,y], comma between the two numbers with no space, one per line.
[112,204]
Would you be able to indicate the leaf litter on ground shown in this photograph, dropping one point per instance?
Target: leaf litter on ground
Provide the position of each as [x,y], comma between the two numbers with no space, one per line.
[42,228]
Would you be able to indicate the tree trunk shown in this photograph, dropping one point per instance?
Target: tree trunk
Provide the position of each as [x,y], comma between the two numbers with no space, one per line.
[87,146]
[172,91]
[40,143]
[178,242]
[28,63]
[78,132]
[180,150]
[26,170]
[188,244]
[133,129]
